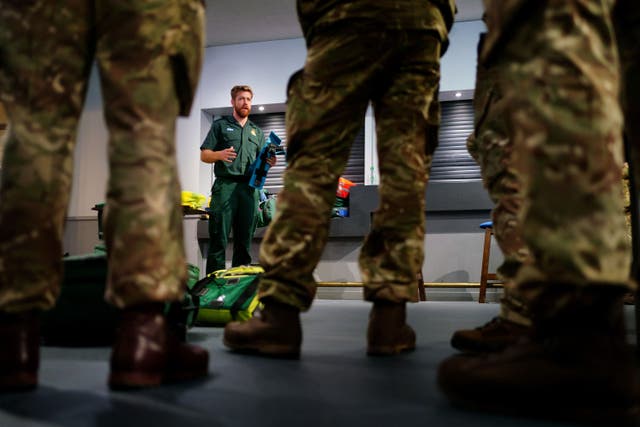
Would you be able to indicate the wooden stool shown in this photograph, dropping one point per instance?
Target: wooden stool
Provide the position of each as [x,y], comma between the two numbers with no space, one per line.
[485,276]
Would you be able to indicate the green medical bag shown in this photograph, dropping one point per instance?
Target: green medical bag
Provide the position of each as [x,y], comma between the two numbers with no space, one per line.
[227,295]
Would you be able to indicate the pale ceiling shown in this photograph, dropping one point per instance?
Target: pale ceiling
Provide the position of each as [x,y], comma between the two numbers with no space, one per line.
[244,21]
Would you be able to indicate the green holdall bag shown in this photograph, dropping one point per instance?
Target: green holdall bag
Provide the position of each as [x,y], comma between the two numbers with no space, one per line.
[227,295]
[81,316]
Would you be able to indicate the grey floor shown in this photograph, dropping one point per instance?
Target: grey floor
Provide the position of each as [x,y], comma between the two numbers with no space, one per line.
[333,384]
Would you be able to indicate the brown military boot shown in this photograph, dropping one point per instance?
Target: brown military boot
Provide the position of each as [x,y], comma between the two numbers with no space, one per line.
[273,331]
[574,366]
[19,351]
[147,352]
[388,332]
[493,336]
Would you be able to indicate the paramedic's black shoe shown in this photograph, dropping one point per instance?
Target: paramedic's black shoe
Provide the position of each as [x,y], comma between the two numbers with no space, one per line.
[274,331]
[494,336]
[19,351]
[388,332]
[575,366]
[147,352]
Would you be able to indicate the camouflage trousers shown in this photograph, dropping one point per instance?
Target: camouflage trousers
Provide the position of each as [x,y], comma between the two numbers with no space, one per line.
[492,148]
[46,54]
[564,118]
[347,67]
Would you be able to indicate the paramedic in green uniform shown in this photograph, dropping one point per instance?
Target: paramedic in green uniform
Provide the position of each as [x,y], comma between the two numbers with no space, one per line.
[233,144]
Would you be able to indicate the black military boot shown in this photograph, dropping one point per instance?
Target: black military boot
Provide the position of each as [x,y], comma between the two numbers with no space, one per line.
[388,332]
[493,336]
[19,351]
[575,365]
[273,331]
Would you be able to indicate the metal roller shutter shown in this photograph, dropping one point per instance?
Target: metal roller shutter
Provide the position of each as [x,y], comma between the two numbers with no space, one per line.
[452,161]
[276,122]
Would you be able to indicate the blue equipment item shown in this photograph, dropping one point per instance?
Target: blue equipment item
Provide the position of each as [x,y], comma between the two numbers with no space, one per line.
[260,166]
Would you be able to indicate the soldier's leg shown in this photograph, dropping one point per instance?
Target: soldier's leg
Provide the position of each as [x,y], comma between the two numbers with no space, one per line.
[568,136]
[221,217]
[326,106]
[393,251]
[566,125]
[504,187]
[143,221]
[42,83]
[45,58]
[493,150]
[244,224]
[327,101]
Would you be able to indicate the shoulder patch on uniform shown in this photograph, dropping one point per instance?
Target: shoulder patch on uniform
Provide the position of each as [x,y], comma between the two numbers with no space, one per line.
[253,132]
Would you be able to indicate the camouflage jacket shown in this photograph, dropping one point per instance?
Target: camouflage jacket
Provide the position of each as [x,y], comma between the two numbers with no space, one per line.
[389,14]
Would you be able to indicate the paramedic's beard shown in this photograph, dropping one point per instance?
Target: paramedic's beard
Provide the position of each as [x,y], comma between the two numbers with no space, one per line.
[242,112]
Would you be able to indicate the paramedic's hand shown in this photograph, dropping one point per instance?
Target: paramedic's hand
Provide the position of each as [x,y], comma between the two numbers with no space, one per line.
[228,155]
[271,161]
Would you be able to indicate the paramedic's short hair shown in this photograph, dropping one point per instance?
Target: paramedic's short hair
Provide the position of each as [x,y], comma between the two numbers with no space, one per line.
[240,88]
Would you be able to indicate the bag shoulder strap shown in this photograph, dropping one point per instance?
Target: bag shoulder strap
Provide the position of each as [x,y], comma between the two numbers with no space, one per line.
[246,295]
